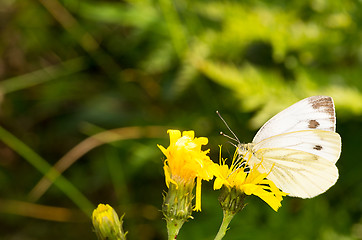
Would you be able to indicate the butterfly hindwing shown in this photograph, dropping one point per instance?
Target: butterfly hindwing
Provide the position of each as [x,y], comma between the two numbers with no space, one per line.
[298,173]
[300,163]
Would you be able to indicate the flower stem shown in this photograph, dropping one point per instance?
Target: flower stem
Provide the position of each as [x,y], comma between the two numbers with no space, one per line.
[173,227]
[228,215]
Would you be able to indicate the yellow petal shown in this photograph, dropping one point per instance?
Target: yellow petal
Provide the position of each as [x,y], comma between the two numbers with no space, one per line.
[168,178]
[190,134]
[174,136]
[218,183]
[269,198]
[198,195]
[249,189]
[201,141]
[164,150]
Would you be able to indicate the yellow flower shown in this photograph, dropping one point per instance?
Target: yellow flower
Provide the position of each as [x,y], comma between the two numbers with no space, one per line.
[106,223]
[185,161]
[247,180]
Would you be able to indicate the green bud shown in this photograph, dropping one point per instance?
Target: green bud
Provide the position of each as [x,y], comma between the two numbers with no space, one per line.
[106,223]
[232,200]
[178,202]
[177,207]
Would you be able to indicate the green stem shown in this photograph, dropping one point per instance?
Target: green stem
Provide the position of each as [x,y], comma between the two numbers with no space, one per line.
[173,227]
[45,168]
[40,76]
[224,225]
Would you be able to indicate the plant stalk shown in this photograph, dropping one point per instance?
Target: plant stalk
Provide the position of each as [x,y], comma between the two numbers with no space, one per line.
[228,216]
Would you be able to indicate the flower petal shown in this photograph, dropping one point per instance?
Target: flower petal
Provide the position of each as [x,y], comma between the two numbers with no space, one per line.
[174,136]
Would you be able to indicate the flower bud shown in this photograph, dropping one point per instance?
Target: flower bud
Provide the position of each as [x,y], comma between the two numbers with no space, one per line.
[106,223]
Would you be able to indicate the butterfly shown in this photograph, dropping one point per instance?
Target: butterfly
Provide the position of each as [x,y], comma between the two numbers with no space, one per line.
[298,148]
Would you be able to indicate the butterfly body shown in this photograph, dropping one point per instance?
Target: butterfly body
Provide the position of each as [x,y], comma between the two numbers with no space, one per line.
[245,149]
[298,148]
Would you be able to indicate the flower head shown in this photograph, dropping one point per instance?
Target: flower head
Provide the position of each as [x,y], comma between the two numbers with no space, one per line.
[185,161]
[106,223]
[247,180]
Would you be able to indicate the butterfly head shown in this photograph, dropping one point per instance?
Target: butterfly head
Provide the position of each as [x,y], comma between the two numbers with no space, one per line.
[245,150]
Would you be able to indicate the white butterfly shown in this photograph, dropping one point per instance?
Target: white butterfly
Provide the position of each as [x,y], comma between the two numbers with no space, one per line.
[298,147]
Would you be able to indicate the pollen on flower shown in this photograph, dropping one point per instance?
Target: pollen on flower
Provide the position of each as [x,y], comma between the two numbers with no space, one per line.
[250,182]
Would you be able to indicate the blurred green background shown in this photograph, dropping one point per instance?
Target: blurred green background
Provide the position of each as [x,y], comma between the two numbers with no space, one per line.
[72,70]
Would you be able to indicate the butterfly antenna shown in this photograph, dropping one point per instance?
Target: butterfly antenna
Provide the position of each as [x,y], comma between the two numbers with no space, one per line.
[231,138]
[233,144]
[236,138]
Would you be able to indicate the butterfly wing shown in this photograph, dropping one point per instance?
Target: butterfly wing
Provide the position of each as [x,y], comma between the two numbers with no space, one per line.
[316,112]
[300,163]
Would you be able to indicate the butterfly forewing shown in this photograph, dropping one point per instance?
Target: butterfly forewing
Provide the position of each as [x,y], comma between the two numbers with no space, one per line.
[325,144]
[315,112]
